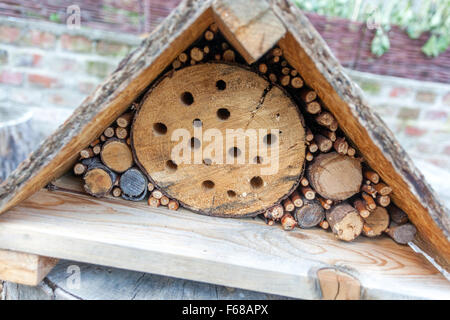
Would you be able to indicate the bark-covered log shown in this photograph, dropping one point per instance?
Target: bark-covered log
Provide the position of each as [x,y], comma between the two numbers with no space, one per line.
[345,222]
[402,233]
[335,176]
[377,221]
[310,214]
[397,215]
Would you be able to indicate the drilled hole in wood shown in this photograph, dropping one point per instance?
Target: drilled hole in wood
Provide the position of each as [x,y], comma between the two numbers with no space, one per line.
[223,114]
[207,162]
[159,129]
[231,193]
[197,123]
[207,185]
[195,143]
[258,160]
[187,98]
[256,182]
[221,85]
[270,139]
[171,166]
[234,152]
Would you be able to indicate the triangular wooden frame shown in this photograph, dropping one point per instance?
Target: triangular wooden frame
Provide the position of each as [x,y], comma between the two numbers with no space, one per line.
[253,27]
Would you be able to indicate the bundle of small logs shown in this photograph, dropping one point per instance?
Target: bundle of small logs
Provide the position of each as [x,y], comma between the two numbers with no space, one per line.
[338,190]
[108,167]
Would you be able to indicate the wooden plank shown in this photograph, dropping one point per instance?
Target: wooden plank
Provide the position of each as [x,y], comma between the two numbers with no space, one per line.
[137,71]
[338,285]
[24,268]
[249,25]
[242,253]
[305,50]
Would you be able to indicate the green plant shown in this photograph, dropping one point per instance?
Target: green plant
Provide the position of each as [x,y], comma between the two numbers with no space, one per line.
[414,16]
[54,17]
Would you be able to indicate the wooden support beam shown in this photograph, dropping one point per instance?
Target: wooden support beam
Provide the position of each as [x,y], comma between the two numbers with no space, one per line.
[242,253]
[249,25]
[24,268]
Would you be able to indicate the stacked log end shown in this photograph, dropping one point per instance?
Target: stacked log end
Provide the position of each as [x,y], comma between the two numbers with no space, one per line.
[107,166]
[339,191]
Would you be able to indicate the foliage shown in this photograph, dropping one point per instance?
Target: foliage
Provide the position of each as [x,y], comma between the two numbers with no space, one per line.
[414,16]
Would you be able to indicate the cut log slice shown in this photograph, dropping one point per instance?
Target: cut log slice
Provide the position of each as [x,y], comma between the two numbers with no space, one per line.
[335,176]
[117,155]
[377,221]
[98,180]
[345,222]
[180,142]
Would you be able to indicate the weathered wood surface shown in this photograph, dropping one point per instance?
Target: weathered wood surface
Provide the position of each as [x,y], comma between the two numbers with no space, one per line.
[305,50]
[243,253]
[135,72]
[249,25]
[106,283]
[218,172]
[24,268]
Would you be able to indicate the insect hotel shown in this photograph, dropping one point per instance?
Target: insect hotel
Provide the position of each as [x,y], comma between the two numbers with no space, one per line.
[230,148]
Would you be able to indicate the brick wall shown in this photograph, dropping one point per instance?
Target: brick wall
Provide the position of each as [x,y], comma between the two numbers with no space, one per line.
[51,69]
[417,112]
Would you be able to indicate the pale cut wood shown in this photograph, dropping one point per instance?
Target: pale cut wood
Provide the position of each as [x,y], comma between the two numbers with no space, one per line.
[308,53]
[220,97]
[378,221]
[250,26]
[345,221]
[242,253]
[134,74]
[335,176]
[116,155]
[338,285]
[24,268]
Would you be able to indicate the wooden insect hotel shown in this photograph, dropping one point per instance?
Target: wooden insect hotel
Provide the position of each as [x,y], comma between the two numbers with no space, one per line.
[230,109]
